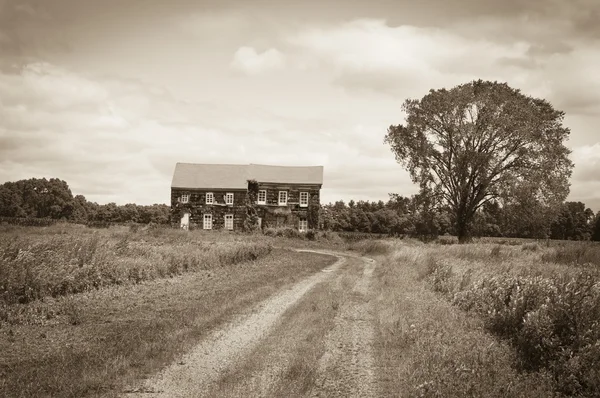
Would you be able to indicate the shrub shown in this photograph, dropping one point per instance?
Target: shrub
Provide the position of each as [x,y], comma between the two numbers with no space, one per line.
[553,323]
[285,232]
[372,247]
[98,224]
[532,247]
[446,240]
[496,251]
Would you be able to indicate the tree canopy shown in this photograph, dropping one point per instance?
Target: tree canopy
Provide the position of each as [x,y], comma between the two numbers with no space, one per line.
[52,199]
[480,142]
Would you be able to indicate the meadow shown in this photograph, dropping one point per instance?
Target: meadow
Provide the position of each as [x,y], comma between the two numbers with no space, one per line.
[508,318]
[87,312]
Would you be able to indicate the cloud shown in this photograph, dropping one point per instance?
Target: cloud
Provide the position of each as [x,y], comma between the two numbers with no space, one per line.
[587,163]
[119,139]
[249,61]
[407,57]
[370,55]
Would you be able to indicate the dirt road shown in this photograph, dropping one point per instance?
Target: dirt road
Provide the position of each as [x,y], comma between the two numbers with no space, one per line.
[341,362]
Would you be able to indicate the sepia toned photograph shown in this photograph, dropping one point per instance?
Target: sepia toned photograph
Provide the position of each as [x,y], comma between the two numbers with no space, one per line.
[261,198]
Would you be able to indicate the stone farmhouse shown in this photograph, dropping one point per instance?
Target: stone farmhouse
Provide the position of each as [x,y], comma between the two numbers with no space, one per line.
[221,196]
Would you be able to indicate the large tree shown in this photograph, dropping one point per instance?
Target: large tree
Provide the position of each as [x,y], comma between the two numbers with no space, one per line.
[483,141]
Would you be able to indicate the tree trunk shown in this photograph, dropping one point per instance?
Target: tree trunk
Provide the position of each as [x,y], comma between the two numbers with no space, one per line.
[463,229]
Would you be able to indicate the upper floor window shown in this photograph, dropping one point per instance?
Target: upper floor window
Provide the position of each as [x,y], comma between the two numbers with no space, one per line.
[229,221]
[207,224]
[228,198]
[185,198]
[210,198]
[283,198]
[262,197]
[303,199]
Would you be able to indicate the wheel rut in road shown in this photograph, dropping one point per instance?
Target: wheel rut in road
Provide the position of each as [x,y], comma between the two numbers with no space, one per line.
[347,369]
[191,375]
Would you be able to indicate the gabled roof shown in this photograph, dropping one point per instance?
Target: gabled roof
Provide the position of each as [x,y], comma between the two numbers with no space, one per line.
[287,174]
[236,176]
[192,175]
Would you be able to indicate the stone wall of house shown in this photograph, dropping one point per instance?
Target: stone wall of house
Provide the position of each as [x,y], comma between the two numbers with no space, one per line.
[197,207]
[273,215]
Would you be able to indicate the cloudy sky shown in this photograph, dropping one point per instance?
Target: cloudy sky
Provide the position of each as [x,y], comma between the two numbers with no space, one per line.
[109,95]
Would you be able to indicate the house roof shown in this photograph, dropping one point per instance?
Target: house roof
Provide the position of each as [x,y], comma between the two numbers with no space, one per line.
[191,175]
[236,176]
[287,174]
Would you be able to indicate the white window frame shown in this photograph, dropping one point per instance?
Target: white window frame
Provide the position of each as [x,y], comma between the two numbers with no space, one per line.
[185,198]
[284,202]
[212,198]
[304,203]
[227,196]
[264,201]
[230,218]
[303,225]
[207,221]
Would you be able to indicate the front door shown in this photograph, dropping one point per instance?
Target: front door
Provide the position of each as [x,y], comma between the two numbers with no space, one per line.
[185,221]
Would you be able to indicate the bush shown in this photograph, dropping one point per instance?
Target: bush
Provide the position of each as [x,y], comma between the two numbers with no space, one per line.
[532,247]
[285,232]
[98,224]
[357,236]
[311,234]
[372,247]
[553,323]
[446,240]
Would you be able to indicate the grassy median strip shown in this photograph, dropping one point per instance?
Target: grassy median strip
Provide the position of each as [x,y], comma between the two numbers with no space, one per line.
[104,340]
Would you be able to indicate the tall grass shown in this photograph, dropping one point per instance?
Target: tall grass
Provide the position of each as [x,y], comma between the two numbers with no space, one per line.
[372,247]
[37,265]
[574,254]
[551,319]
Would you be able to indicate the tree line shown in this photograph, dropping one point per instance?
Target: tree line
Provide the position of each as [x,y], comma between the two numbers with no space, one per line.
[52,199]
[416,216]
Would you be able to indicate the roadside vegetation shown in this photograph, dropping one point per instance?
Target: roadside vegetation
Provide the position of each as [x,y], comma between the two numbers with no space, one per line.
[66,259]
[159,293]
[542,301]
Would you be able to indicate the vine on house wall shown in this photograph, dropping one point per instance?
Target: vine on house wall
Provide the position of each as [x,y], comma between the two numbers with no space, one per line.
[313,212]
[251,219]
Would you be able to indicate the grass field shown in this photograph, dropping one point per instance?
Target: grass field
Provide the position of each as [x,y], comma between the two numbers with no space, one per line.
[88,312]
[108,335]
[529,320]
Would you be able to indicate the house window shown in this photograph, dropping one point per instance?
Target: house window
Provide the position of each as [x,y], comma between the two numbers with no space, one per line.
[229,222]
[210,198]
[262,197]
[303,225]
[283,196]
[303,199]
[185,198]
[228,198]
[207,221]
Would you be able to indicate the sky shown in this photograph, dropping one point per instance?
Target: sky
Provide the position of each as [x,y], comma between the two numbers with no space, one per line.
[109,95]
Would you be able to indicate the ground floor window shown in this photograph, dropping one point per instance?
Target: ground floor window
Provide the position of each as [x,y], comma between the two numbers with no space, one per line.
[303,225]
[229,221]
[207,221]
[262,197]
